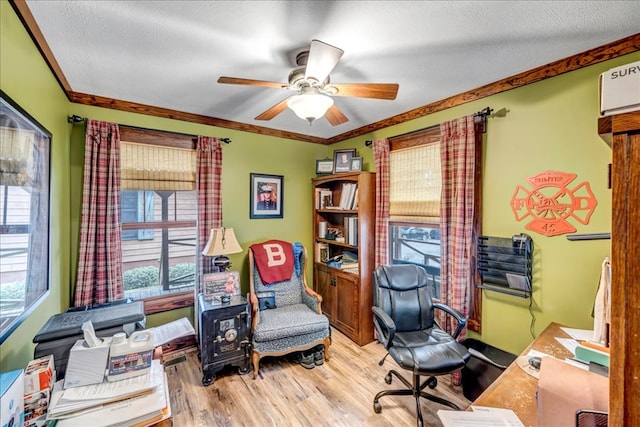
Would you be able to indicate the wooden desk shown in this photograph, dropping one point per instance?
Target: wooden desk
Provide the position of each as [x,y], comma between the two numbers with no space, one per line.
[515,389]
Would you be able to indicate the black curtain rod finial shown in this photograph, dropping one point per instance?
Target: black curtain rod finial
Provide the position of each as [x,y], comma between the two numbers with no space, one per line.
[368,143]
[226,140]
[484,112]
[74,119]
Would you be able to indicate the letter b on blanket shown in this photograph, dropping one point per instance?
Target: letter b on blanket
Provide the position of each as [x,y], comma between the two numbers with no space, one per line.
[274,260]
[275,255]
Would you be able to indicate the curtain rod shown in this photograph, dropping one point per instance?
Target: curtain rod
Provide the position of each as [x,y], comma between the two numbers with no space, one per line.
[592,236]
[75,119]
[483,114]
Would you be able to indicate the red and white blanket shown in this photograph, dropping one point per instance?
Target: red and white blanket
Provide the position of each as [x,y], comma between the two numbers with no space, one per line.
[274,260]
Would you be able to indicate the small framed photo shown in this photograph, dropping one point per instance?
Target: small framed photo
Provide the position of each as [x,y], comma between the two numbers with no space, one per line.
[324,167]
[356,164]
[217,285]
[266,196]
[342,160]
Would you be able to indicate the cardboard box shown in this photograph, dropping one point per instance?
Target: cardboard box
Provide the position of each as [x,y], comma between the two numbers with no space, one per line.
[12,399]
[620,90]
[39,375]
[563,389]
[35,408]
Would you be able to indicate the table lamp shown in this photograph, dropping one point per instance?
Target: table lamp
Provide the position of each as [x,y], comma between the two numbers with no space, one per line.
[222,242]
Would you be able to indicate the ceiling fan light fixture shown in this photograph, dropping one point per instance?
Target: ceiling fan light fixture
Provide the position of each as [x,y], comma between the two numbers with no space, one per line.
[310,106]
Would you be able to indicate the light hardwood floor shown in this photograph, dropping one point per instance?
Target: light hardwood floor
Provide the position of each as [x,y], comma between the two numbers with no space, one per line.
[338,393]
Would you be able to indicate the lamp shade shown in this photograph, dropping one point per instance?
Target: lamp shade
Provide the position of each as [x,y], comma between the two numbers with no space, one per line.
[310,106]
[222,241]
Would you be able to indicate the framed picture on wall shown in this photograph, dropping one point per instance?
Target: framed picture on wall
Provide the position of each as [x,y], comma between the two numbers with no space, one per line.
[267,195]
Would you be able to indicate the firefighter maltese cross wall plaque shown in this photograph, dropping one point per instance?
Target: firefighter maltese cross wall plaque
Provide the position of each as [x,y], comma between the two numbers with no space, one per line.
[551,203]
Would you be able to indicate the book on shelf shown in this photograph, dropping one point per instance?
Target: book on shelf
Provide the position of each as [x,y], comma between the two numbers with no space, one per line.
[347,195]
[349,266]
[351,230]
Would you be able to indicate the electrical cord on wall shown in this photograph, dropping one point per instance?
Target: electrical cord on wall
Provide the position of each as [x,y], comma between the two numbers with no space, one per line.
[533,317]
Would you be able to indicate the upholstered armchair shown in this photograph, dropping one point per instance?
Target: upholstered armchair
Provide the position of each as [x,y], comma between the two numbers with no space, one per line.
[405,323]
[296,323]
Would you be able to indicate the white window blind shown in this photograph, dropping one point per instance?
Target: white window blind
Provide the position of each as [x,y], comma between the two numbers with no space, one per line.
[416,183]
[154,167]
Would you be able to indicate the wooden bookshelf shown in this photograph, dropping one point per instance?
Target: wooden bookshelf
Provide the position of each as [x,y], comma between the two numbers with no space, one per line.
[347,294]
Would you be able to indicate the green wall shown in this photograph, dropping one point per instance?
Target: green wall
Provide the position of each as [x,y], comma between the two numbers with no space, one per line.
[548,125]
[25,77]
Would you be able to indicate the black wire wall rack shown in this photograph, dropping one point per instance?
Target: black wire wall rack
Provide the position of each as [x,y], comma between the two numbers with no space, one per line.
[506,264]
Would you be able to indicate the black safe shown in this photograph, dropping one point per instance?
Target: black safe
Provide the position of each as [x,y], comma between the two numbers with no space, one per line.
[223,332]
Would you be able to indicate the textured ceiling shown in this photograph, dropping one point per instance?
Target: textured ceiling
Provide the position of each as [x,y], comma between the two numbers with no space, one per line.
[169,54]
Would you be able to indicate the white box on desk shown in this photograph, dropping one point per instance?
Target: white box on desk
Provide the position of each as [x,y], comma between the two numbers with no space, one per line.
[12,398]
[620,89]
[87,365]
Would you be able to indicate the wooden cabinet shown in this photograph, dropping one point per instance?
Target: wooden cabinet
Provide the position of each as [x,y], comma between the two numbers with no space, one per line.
[345,204]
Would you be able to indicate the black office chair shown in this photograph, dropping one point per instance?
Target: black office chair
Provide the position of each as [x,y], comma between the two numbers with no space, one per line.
[405,324]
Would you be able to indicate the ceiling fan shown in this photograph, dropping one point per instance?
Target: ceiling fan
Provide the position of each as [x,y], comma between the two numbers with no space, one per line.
[310,80]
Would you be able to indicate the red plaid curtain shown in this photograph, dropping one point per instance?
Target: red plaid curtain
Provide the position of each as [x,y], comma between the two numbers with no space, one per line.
[99,278]
[208,184]
[381,161]
[457,152]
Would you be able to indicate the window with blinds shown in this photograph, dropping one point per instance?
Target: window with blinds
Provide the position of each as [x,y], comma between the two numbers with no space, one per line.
[158,206]
[414,206]
[154,167]
[415,184]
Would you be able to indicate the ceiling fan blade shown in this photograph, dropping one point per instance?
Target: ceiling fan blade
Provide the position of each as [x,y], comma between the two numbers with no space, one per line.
[250,82]
[335,116]
[367,90]
[322,59]
[274,111]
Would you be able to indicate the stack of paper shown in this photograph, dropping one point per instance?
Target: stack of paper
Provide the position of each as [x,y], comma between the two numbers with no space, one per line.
[480,416]
[170,331]
[126,402]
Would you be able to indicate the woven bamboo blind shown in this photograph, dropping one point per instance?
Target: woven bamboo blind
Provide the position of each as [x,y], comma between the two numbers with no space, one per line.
[416,183]
[154,167]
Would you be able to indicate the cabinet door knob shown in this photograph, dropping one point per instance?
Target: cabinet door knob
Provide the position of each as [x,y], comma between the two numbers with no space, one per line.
[333,281]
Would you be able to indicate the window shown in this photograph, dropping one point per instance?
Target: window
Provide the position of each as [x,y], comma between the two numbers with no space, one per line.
[414,205]
[159,218]
[24,215]
[136,206]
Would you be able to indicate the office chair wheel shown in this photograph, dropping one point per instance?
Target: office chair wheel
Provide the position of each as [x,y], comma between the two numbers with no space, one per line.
[387,378]
[433,382]
[243,370]
[377,407]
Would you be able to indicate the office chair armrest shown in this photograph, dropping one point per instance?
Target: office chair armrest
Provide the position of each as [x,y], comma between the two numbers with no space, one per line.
[384,325]
[462,321]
